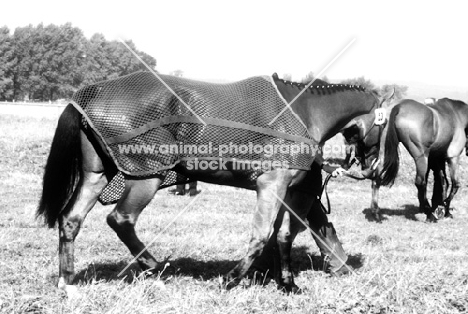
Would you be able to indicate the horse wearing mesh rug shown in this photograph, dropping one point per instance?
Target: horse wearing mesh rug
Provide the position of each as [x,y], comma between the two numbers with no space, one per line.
[113,144]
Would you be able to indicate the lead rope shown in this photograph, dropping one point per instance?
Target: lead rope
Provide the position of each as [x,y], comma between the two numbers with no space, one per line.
[326,210]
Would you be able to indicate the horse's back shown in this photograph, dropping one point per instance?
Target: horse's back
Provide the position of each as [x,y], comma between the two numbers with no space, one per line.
[444,108]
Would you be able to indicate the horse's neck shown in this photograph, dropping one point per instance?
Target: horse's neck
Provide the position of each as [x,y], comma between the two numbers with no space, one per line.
[327,111]
[326,115]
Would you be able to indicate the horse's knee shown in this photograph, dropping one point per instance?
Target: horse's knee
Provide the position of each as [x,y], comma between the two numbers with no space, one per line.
[69,227]
[283,236]
[420,181]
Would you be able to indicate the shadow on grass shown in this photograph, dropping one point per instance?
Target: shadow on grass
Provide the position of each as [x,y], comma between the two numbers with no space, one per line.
[409,211]
[302,260]
[108,272]
[199,269]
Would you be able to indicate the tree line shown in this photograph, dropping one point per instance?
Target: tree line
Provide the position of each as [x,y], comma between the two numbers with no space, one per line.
[51,62]
[46,63]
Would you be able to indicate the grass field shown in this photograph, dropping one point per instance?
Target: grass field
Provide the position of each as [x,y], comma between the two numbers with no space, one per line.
[403,265]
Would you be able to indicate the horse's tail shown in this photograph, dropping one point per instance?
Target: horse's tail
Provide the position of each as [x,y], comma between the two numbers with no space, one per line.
[391,156]
[62,169]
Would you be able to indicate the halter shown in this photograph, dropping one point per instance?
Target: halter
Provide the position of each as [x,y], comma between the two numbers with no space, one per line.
[380,121]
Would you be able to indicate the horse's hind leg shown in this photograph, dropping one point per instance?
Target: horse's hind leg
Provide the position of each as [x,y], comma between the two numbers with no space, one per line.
[453,166]
[438,194]
[137,194]
[421,184]
[86,193]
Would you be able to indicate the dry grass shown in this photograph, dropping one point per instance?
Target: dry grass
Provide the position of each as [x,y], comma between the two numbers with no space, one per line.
[403,265]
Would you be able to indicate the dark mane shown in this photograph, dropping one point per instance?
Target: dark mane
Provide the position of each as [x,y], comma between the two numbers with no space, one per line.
[319,86]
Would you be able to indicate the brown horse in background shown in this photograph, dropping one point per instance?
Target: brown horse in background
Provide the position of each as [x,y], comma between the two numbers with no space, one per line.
[433,135]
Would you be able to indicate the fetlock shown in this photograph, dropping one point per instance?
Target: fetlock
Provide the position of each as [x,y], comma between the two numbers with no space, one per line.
[344,270]
[334,256]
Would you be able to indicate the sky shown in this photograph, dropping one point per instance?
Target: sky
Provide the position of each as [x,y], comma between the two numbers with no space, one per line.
[389,42]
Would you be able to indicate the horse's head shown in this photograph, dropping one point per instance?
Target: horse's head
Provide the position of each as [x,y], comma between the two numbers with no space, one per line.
[363,135]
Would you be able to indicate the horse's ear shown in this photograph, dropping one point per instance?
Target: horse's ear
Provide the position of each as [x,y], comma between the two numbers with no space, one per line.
[275,76]
[389,95]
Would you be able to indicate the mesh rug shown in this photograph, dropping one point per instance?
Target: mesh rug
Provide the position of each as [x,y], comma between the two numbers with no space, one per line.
[149,125]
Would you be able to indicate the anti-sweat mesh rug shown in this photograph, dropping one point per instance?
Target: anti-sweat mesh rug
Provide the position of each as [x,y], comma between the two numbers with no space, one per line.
[148,125]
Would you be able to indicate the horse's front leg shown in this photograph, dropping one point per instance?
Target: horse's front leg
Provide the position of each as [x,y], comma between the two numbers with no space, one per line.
[283,272]
[453,168]
[271,190]
[275,260]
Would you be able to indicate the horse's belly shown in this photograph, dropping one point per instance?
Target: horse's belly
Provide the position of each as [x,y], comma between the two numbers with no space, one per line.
[238,178]
[232,175]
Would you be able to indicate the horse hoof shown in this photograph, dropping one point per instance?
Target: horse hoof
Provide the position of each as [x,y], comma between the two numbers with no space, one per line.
[227,282]
[431,218]
[449,216]
[378,218]
[260,278]
[290,289]
[148,273]
[71,290]
[439,212]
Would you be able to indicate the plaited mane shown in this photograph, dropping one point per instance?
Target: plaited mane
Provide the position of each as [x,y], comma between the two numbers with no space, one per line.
[320,86]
